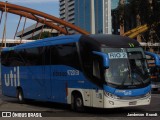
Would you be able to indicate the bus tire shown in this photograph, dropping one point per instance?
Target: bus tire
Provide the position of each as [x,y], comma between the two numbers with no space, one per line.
[77,103]
[20,96]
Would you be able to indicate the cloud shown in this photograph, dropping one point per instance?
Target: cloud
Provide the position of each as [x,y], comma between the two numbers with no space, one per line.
[30,1]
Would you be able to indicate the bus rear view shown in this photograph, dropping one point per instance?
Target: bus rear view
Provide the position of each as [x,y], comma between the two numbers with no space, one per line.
[102,71]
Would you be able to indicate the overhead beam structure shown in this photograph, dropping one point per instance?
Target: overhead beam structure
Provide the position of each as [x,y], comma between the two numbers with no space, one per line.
[41,17]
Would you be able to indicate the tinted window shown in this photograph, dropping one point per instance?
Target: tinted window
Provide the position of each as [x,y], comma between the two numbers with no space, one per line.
[23,57]
[52,55]
[12,58]
[33,56]
[65,55]
[87,58]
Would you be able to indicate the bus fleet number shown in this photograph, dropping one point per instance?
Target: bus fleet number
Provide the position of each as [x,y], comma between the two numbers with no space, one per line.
[72,72]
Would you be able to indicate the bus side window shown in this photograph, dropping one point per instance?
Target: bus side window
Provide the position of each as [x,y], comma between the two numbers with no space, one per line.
[65,55]
[5,58]
[55,58]
[33,56]
[96,69]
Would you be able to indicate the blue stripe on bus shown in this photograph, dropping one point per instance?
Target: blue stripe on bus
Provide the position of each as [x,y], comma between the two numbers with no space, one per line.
[131,92]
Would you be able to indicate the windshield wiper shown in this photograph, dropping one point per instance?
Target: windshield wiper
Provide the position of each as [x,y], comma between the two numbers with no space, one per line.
[138,72]
[125,78]
[132,79]
[123,82]
[140,80]
[129,71]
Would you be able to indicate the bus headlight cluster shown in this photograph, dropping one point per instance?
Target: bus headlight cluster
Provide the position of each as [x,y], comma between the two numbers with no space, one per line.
[148,94]
[107,94]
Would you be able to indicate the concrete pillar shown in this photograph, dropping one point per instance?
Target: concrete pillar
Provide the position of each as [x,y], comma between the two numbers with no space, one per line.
[92,17]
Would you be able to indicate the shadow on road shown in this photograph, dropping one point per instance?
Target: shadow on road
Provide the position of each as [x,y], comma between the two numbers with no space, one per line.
[59,110]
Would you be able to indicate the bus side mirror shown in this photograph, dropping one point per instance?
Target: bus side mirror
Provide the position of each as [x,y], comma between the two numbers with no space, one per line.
[105,58]
[155,56]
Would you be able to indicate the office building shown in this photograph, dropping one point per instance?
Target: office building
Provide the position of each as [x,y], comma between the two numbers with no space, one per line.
[67,10]
[93,16]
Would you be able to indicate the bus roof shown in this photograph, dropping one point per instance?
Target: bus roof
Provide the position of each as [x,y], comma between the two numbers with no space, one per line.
[115,41]
[46,42]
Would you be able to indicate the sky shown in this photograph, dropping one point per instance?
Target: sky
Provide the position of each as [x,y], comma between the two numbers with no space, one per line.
[48,6]
[114,4]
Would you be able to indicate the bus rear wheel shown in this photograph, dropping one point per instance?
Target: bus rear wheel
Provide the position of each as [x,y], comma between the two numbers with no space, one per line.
[20,96]
[77,103]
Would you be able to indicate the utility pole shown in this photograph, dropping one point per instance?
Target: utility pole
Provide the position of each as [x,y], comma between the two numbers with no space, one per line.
[151,31]
[138,22]
[4,30]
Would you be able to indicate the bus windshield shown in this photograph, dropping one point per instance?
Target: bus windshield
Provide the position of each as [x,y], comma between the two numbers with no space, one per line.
[127,66]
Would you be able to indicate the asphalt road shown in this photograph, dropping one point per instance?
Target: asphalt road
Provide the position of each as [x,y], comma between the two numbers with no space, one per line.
[57,111]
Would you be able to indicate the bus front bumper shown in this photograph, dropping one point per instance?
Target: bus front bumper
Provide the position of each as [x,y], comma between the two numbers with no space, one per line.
[117,103]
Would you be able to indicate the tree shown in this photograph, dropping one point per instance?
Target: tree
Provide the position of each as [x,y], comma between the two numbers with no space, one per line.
[143,12]
[121,15]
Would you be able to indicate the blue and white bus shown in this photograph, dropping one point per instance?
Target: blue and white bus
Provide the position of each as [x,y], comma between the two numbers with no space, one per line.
[153,61]
[103,71]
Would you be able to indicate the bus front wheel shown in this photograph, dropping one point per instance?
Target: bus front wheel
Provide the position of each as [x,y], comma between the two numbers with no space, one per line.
[20,96]
[77,103]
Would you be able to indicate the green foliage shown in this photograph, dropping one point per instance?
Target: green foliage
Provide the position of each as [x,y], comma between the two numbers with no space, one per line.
[136,12]
[148,12]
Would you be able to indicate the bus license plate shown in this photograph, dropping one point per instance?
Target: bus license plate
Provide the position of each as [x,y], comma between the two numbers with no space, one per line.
[133,103]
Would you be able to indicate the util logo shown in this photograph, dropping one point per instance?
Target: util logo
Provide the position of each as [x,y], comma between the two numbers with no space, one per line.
[12,79]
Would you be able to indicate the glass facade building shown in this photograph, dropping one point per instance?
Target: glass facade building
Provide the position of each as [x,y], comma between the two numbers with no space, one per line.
[82,14]
[67,10]
[99,16]
[93,16]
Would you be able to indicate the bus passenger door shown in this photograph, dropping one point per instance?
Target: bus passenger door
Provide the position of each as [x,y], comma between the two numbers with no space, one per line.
[97,96]
[97,93]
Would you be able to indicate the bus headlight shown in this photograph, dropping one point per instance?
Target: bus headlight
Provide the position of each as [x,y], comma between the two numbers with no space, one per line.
[148,94]
[107,94]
